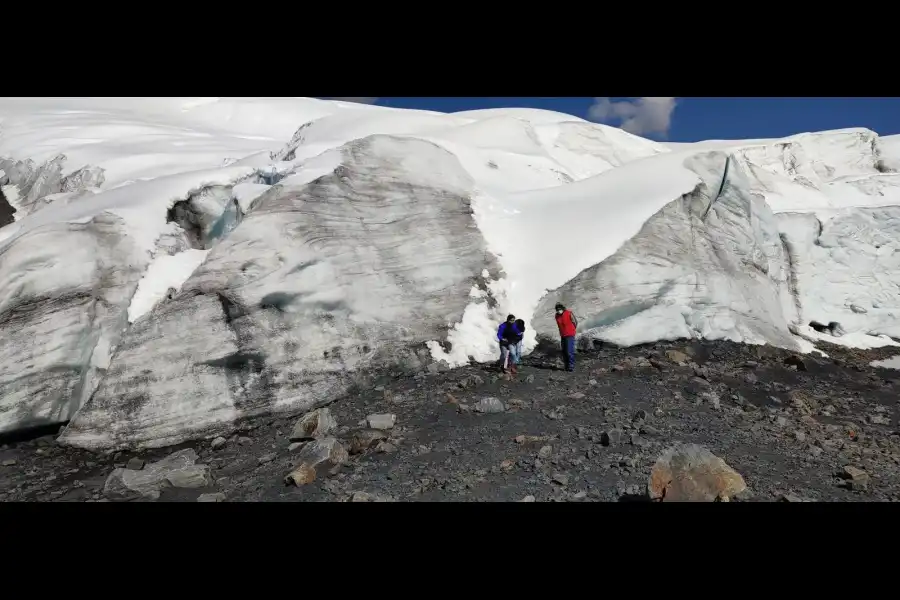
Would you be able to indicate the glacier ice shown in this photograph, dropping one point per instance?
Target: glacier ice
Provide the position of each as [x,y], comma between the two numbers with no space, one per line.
[61,314]
[709,264]
[320,283]
[171,265]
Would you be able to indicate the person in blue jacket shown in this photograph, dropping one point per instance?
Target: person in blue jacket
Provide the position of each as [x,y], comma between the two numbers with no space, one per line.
[508,336]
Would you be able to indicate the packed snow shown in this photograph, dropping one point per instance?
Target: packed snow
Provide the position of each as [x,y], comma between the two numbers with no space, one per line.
[888,363]
[164,273]
[183,208]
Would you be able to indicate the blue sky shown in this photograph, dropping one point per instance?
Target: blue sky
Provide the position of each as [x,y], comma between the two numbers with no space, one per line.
[693,119]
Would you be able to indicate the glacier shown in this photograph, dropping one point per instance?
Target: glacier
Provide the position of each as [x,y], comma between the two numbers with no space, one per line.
[171,266]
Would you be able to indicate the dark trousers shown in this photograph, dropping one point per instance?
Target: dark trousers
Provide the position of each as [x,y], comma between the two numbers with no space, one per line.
[567,345]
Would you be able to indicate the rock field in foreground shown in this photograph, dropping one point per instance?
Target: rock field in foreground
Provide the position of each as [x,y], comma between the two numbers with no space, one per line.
[785,427]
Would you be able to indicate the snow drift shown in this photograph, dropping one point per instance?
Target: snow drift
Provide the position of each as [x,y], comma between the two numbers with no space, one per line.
[169,266]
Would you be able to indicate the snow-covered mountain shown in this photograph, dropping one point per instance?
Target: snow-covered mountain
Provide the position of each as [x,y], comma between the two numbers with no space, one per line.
[173,265]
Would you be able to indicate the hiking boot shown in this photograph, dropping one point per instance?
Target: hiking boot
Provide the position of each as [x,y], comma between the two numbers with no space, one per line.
[513,370]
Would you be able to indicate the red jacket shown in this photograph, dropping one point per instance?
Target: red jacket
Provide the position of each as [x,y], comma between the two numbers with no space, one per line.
[566,323]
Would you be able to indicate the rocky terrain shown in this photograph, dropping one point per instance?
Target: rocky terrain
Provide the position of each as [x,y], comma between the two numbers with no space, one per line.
[678,421]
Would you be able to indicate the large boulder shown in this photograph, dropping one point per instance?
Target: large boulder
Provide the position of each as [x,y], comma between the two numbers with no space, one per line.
[691,473]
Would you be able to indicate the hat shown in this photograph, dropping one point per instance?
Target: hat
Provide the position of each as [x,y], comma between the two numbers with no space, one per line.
[559,305]
[510,317]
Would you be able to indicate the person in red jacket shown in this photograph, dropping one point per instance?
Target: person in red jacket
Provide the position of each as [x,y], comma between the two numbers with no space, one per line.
[567,324]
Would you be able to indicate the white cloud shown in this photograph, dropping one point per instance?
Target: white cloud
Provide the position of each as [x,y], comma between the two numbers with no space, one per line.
[358,100]
[638,115]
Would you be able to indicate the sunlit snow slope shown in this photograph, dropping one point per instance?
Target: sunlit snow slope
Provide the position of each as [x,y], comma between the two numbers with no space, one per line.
[169,266]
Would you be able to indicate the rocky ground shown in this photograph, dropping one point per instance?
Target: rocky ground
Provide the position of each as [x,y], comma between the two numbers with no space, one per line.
[793,427]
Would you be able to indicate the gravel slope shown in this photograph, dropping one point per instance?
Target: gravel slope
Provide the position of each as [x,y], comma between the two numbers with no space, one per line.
[789,425]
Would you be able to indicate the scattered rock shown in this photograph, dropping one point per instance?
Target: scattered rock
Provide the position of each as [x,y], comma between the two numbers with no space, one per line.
[560,478]
[267,458]
[193,478]
[532,439]
[795,361]
[577,396]
[677,357]
[176,470]
[880,419]
[363,439]
[244,441]
[613,437]
[367,497]
[10,462]
[713,399]
[470,382]
[545,452]
[648,429]
[218,443]
[790,498]
[315,424]
[381,421]
[135,464]
[507,465]
[529,379]
[744,496]
[295,445]
[326,450]
[855,479]
[301,476]
[691,473]
[385,448]
[217,497]
[528,499]
[489,405]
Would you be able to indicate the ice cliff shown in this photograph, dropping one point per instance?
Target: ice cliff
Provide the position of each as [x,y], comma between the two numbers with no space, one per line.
[170,266]
[321,283]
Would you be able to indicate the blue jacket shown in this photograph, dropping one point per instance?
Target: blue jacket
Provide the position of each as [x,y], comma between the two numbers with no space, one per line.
[511,335]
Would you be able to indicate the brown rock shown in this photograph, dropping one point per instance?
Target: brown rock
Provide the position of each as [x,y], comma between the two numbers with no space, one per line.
[800,401]
[312,425]
[691,473]
[677,357]
[857,479]
[301,475]
[363,439]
